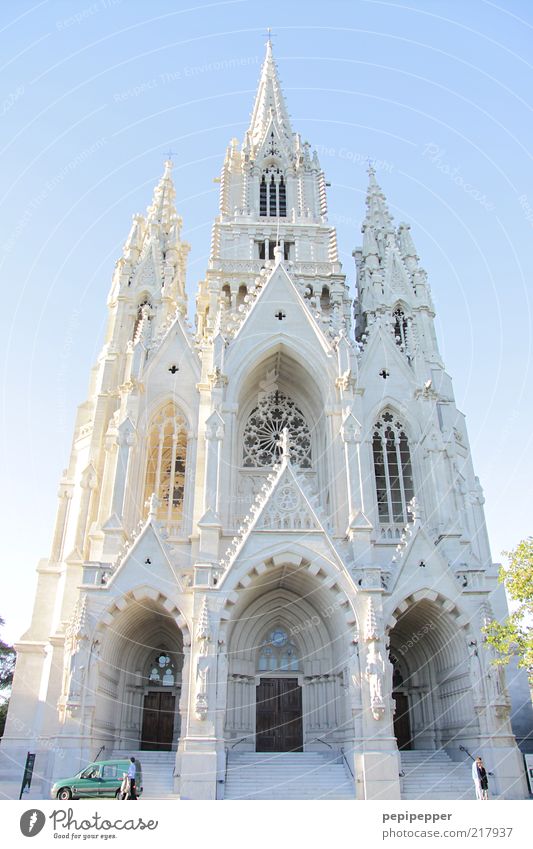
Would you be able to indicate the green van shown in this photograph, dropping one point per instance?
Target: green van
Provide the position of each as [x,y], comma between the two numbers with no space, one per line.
[101,779]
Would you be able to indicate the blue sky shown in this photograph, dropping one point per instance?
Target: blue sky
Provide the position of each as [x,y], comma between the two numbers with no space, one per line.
[92,95]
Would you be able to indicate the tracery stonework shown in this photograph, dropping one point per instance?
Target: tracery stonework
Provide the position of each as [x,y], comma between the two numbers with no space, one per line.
[262,434]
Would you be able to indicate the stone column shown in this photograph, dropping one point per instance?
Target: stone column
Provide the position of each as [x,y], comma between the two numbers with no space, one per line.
[214,433]
[378,764]
[198,749]
[65,498]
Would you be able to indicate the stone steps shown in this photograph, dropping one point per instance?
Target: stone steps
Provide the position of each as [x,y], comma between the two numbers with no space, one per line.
[287,775]
[157,772]
[433,775]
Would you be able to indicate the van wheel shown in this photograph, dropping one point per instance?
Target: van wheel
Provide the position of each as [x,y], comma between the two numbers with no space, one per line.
[64,793]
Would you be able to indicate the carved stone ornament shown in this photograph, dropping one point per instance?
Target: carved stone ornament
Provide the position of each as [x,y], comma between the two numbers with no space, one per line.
[262,435]
[375,678]
[202,674]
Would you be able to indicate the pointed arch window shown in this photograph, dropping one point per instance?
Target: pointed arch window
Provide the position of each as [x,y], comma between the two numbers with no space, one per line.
[282,198]
[262,434]
[278,653]
[167,455]
[144,308]
[272,194]
[400,328]
[162,671]
[392,467]
[263,196]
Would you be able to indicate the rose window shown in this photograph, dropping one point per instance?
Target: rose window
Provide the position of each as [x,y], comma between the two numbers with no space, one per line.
[262,435]
[278,653]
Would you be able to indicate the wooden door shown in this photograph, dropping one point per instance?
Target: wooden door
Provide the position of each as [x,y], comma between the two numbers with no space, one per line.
[279,715]
[402,726]
[158,721]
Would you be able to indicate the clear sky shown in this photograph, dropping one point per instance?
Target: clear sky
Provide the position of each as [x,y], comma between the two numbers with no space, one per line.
[92,95]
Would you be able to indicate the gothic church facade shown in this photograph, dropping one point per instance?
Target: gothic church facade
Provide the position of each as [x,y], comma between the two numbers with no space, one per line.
[270,542]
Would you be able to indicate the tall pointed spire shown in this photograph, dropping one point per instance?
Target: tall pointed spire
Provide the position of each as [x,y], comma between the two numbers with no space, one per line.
[162,210]
[377,212]
[269,103]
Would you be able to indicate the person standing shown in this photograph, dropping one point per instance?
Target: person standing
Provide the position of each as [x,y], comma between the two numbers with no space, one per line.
[124,787]
[132,773]
[481,779]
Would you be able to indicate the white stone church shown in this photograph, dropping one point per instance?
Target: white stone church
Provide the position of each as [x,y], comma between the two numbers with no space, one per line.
[270,569]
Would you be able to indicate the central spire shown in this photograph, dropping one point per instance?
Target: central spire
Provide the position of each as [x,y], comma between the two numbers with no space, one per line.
[269,103]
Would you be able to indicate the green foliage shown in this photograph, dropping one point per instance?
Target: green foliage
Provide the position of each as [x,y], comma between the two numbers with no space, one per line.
[514,636]
[7,668]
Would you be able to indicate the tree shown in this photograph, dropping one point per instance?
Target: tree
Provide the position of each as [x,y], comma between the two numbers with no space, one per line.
[514,636]
[7,668]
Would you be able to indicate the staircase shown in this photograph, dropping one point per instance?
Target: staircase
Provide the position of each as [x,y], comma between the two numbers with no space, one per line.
[287,775]
[157,773]
[433,775]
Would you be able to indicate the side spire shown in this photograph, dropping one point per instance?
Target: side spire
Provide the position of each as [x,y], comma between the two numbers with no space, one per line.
[377,212]
[162,210]
[269,103]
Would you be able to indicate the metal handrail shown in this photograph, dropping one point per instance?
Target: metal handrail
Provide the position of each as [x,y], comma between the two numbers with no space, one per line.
[236,743]
[226,752]
[319,740]
[464,749]
[347,763]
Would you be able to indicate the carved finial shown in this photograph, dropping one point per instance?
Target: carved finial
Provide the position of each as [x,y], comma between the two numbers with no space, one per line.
[371,624]
[204,628]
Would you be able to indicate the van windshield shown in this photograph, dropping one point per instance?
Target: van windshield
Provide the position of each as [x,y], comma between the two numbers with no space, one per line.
[91,771]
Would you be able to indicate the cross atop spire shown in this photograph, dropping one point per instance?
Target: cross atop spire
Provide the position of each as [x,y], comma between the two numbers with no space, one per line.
[377,212]
[269,101]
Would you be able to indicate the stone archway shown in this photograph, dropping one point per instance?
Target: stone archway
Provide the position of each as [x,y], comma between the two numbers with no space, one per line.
[142,672]
[432,675]
[289,643]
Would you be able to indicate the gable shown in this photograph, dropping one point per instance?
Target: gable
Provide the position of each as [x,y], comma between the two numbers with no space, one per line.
[285,505]
[173,349]
[279,312]
[146,560]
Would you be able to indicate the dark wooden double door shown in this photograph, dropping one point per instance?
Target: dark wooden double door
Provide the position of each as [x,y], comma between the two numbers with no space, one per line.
[279,715]
[402,726]
[158,721]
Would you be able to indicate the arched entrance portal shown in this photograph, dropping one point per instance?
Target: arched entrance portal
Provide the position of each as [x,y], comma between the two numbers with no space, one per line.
[288,650]
[432,684]
[140,678]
